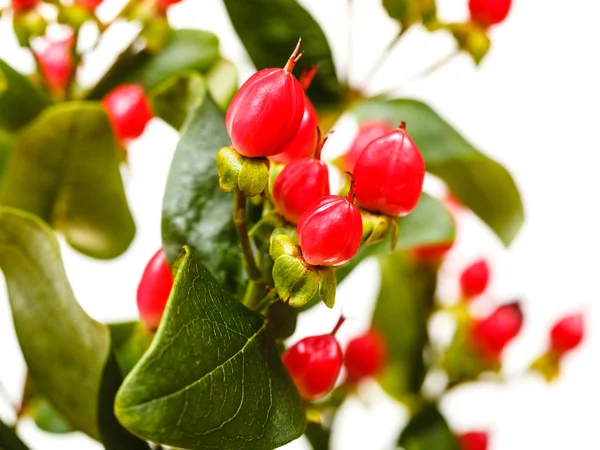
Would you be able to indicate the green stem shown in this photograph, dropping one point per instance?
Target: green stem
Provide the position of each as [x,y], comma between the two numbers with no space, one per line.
[382,58]
[267,300]
[254,294]
[239,220]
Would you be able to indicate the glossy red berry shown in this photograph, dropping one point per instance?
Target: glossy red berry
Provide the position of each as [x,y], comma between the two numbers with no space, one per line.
[492,333]
[489,12]
[474,279]
[154,290]
[314,364]
[89,4]
[365,356]
[389,174]
[473,440]
[367,133]
[129,110]
[434,253]
[56,62]
[23,5]
[265,114]
[567,334]
[330,230]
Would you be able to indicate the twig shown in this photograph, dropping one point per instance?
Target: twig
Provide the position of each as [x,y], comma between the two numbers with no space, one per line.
[239,219]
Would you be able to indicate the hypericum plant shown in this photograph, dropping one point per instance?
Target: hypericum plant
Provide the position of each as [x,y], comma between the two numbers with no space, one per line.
[253,233]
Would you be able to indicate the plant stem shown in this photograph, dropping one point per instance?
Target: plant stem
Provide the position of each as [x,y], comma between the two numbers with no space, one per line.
[239,220]
[267,300]
[382,58]
[254,294]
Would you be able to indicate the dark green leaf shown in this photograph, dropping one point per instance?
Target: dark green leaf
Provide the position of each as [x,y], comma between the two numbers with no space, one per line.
[20,101]
[318,435]
[130,340]
[47,418]
[65,170]
[479,182]
[5,152]
[9,439]
[174,100]
[67,353]
[409,12]
[401,313]
[269,29]
[212,378]
[195,211]
[428,430]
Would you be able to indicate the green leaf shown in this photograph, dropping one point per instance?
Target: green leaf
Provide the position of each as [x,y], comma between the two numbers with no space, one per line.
[222,82]
[174,100]
[6,143]
[428,430]
[130,340]
[65,170]
[270,29]
[409,12]
[67,353]
[9,439]
[20,101]
[195,211]
[403,307]
[318,435]
[212,377]
[479,182]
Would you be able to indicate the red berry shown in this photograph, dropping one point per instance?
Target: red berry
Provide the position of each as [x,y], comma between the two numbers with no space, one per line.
[129,110]
[164,4]
[330,231]
[489,12]
[567,334]
[473,440]
[434,253]
[265,114]
[314,364]
[389,174]
[89,4]
[24,5]
[56,62]
[492,333]
[367,133]
[365,356]
[154,289]
[474,279]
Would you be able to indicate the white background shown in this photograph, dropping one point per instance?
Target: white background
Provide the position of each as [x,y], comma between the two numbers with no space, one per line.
[533,105]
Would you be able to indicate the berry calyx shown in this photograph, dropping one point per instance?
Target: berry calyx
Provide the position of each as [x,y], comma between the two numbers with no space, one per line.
[492,333]
[56,62]
[365,356]
[23,5]
[307,137]
[129,111]
[566,334]
[299,185]
[154,290]
[474,279]
[489,12]
[389,174]
[314,363]
[330,230]
[473,440]
[367,132]
[90,5]
[265,114]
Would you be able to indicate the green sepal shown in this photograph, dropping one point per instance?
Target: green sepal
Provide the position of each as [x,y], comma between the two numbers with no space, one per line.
[283,245]
[229,164]
[547,365]
[327,286]
[376,227]
[472,39]
[253,176]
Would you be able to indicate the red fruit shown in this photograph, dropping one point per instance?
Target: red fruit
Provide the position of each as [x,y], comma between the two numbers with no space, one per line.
[164,4]
[492,333]
[567,334]
[474,279]
[314,364]
[367,133]
[23,5]
[473,440]
[489,12]
[154,289]
[265,114]
[89,4]
[434,253]
[330,231]
[299,185]
[129,110]
[365,356]
[56,63]
[389,174]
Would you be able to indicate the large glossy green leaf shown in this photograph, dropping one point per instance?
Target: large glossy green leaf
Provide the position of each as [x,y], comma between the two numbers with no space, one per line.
[42,411]
[67,353]
[479,182]
[269,29]
[428,430]
[195,211]
[65,170]
[20,101]
[212,378]
[175,99]
[403,307]
[5,152]
[130,340]
[9,439]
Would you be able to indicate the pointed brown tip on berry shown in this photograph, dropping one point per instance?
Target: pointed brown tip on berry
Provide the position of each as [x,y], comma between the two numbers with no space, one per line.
[321,142]
[338,325]
[295,56]
[307,76]
[402,126]
[351,192]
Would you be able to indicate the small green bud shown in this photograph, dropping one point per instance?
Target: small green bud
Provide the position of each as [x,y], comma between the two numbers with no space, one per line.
[253,176]
[229,164]
[74,16]
[376,227]
[472,39]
